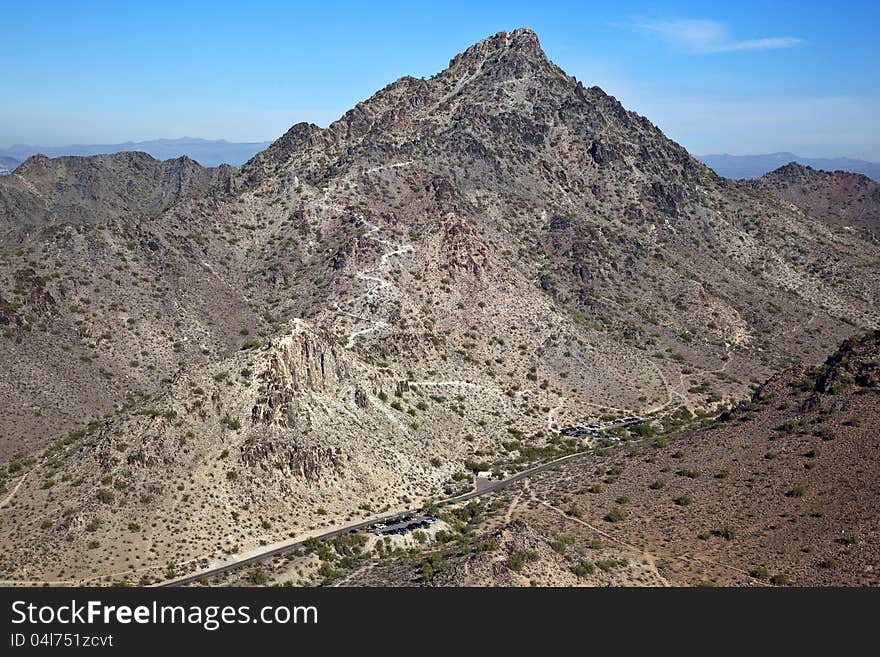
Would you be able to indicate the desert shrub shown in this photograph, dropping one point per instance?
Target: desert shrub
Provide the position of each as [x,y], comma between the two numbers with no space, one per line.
[257,577]
[726,532]
[583,568]
[518,559]
[615,515]
[105,495]
[431,566]
[561,543]
[760,572]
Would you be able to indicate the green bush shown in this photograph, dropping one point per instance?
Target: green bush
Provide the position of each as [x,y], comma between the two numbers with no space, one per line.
[105,495]
[760,572]
[689,473]
[726,532]
[561,543]
[583,568]
[518,559]
[615,515]
[257,576]
[795,491]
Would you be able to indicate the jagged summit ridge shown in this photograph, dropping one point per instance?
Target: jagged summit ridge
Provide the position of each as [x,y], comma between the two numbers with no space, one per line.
[504,56]
[501,102]
[520,46]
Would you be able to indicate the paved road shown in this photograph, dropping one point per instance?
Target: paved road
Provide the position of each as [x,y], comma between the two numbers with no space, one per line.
[288,547]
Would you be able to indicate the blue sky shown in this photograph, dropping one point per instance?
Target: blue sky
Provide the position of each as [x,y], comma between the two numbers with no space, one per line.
[717,77]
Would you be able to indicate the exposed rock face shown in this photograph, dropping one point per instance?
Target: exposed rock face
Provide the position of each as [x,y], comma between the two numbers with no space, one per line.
[301,135]
[8,314]
[461,245]
[360,397]
[857,362]
[307,462]
[33,287]
[294,363]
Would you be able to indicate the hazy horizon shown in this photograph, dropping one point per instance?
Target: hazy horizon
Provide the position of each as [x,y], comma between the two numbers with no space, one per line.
[6,147]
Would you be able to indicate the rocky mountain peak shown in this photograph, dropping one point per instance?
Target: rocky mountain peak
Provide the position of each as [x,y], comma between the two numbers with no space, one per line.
[793,171]
[838,197]
[514,53]
[35,165]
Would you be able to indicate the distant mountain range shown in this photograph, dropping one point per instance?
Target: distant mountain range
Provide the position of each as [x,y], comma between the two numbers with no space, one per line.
[754,166]
[214,152]
[7,164]
[207,152]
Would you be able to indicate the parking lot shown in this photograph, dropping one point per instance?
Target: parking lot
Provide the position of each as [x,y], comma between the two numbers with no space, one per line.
[402,524]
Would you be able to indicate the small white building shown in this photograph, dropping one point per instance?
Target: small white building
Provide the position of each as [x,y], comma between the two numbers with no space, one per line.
[484,474]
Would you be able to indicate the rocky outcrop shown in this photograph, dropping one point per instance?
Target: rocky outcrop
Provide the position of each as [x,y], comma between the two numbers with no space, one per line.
[308,462]
[856,362]
[8,314]
[33,288]
[360,398]
[464,249]
[298,362]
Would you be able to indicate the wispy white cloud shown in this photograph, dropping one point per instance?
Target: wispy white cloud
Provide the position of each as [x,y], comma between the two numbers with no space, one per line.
[708,36]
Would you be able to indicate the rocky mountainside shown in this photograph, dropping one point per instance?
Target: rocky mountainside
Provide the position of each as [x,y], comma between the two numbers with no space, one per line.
[842,199]
[782,490]
[207,152]
[79,190]
[341,325]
